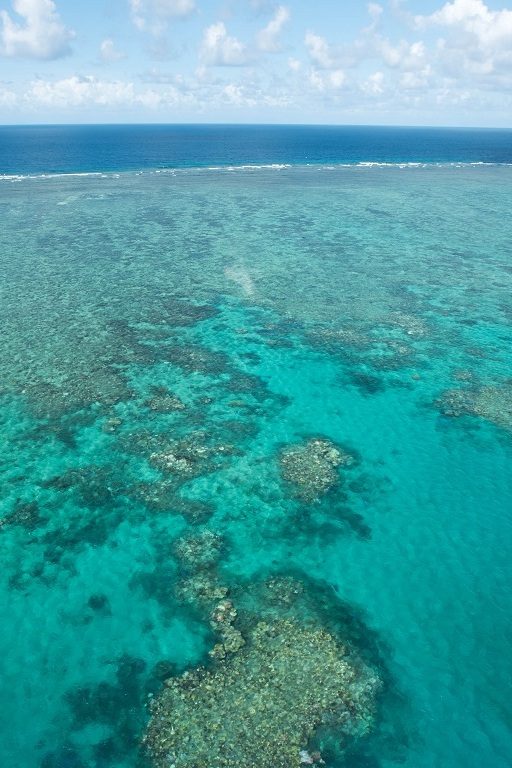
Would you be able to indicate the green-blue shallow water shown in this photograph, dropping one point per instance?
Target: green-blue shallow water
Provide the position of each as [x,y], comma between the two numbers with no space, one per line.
[245,311]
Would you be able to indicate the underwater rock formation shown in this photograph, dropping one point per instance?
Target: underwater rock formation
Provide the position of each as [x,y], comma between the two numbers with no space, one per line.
[259,706]
[493,403]
[311,467]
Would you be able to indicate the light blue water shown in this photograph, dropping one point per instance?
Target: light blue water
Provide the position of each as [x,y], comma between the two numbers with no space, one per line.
[276,305]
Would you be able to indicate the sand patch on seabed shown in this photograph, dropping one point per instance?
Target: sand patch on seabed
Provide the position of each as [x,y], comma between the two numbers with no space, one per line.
[240,275]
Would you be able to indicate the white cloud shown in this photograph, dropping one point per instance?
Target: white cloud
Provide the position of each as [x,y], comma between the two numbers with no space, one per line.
[89,91]
[77,91]
[173,7]
[403,55]
[375,12]
[320,52]
[412,81]
[268,38]
[294,64]
[219,49]
[137,13]
[477,40]
[109,52]
[39,35]
[151,13]
[327,81]
[235,94]
[374,84]
[8,99]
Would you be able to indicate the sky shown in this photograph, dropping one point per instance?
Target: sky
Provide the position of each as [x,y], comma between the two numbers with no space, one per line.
[396,62]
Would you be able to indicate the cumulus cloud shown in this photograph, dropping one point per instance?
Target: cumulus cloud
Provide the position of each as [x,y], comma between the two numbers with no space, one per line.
[320,52]
[268,38]
[152,15]
[8,99]
[458,54]
[403,55]
[374,84]
[234,93]
[109,52]
[375,12]
[77,91]
[221,50]
[327,81]
[40,33]
[86,91]
[477,41]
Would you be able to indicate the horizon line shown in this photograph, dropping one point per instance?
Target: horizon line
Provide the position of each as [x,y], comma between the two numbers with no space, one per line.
[254,125]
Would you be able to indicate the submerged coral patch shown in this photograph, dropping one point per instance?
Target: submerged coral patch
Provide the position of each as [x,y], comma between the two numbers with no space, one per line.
[164,401]
[311,468]
[199,551]
[191,456]
[259,706]
[24,514]
[492,403]
[183,313]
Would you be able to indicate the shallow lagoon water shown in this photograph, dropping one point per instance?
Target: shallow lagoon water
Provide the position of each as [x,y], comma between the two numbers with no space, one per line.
[271,306]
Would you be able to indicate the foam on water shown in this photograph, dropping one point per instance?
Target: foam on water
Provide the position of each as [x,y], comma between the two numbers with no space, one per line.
[253,168]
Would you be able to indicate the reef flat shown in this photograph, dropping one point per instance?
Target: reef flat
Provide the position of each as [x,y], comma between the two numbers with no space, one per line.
[256,457]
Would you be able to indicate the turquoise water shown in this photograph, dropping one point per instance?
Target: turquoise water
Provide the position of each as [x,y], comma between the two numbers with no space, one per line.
[243,311]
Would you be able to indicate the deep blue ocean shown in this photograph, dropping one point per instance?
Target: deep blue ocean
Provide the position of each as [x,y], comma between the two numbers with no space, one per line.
[64,149]
[256,447]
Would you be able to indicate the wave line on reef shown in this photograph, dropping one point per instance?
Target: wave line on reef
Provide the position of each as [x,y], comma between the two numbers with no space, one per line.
[173,171]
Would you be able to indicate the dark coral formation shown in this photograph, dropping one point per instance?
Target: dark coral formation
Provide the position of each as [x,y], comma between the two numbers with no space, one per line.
[183,313]
[311,468]
[25,514]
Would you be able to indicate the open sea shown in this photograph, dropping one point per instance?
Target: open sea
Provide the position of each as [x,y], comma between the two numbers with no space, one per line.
[242,356]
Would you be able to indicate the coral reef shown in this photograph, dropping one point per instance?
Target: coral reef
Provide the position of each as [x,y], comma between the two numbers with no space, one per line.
[190,456]
[201,589]
[493,403]
[196,359]
[164,401]
[222,619]
[200,551]
[279,672]
[412,325]
[182,313]
[24,514]
[330,337]
[311,467]
[259,706]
